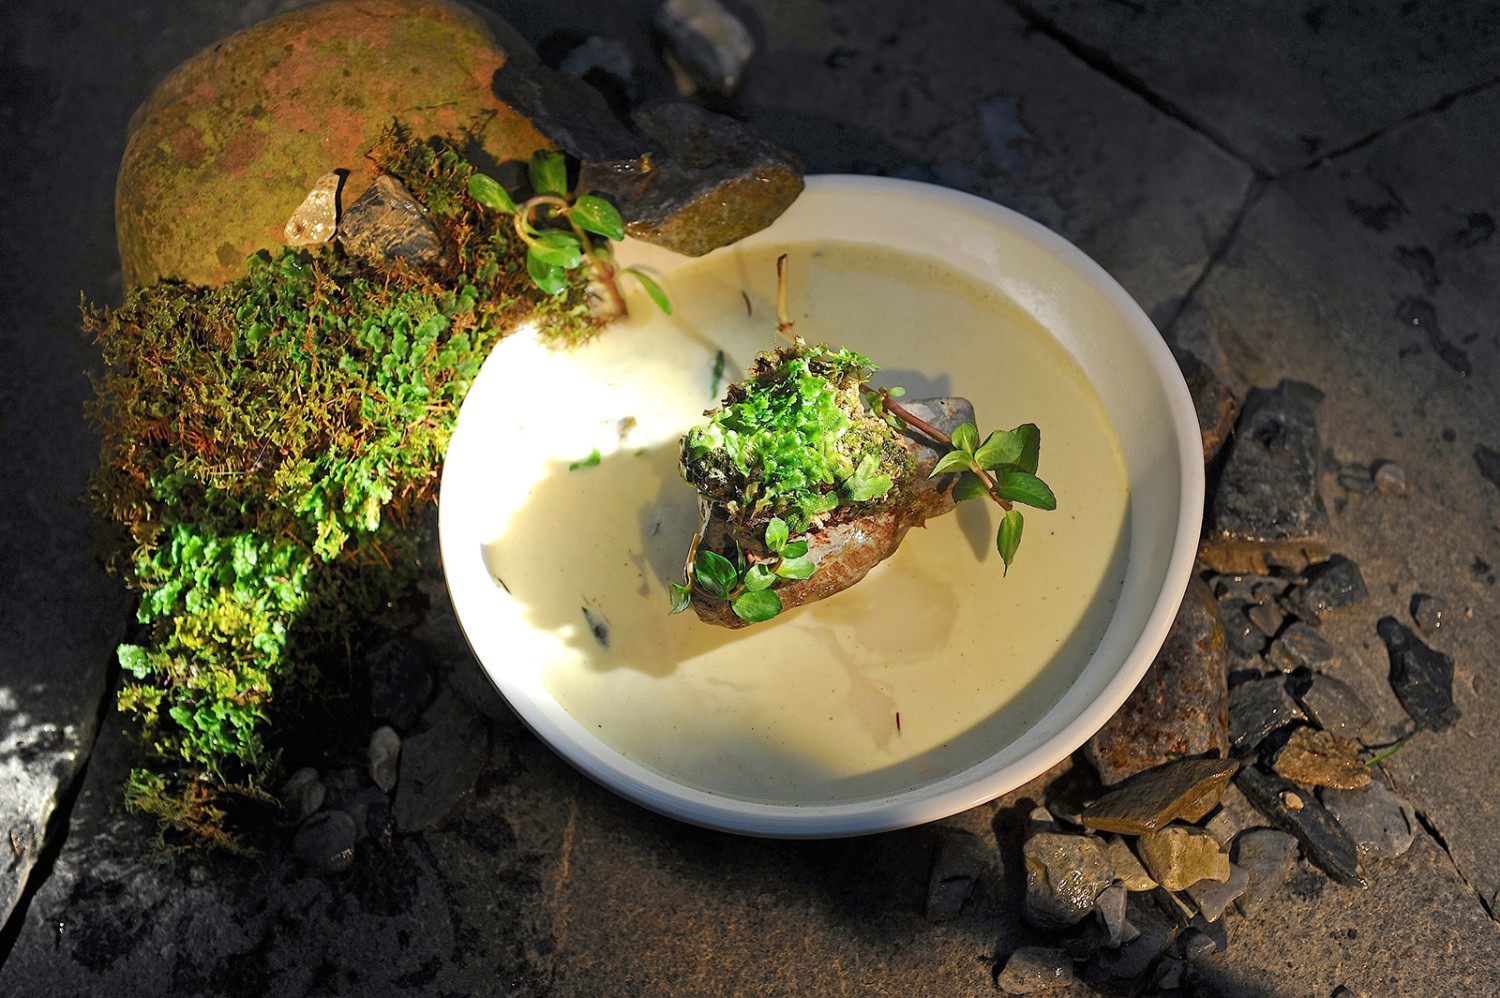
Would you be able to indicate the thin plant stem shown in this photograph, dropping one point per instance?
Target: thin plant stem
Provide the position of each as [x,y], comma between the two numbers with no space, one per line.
[906,416]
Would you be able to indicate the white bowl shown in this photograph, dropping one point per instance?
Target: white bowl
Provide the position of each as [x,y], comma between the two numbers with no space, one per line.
[722,729]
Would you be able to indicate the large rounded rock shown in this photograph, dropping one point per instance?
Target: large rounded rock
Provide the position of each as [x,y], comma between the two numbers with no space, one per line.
[229,144]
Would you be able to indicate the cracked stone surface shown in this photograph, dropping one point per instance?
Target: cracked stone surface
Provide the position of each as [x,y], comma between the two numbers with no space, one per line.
[1211,183]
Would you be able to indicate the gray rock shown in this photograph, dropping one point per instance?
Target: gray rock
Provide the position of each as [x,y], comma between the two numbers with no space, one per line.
[1332,704]
[1428,612]
[1267,857]
[1197,946]
[709,43]
[325,841]
[1380,821]
[401,681]
[1179,709]
[303,793]
[1267,618]
[1335,584]
[1033,970]
[1301,646]
[440,764]
[1214,897]
[1421,677]
[1064,875]
[1357,482]
[1258,707]
[1187,789]
[1266,507]
[384,755]
[1154,933]
[1109,909]
[1241,634]
[1223,825]
[387,223]
[1297,811]
[957,864]
[1390,478]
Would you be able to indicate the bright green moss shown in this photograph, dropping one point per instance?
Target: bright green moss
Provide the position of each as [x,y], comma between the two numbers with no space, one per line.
[795,440]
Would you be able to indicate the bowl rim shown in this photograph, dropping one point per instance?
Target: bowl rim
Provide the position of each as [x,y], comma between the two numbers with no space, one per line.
[955,792]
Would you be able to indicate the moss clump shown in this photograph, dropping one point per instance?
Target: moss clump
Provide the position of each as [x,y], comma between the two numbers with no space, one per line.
[267,448]
[796,440]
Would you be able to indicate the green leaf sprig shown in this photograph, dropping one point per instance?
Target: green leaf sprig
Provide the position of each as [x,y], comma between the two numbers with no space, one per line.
[550,251]
[746,583]
[1003,467]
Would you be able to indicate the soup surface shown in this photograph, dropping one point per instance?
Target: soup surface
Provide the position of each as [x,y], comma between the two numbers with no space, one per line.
[929,665]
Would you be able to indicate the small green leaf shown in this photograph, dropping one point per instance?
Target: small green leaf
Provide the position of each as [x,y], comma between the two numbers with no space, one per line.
[796,568]
[553,280]
[488,192]
[968,487]
[682,596]
[868,481]
[794,549]
[756,606]
[1000,447]
[588,462]
[1009,537]
[597,215]
[895,391]
[954,460]
[549,173]
[1031,447]
[1024,487]
[559,248]
[715,573]
[965,436]
[759,577]
[777,534]
[653,289]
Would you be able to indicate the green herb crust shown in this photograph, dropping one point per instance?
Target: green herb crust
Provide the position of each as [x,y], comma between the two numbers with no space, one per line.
[795,440]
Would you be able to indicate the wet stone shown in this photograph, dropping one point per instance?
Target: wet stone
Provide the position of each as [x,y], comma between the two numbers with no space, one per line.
[1390,478]
[1064,875]
[1267,857]
[386,223]
[316,218]
[1380,821]
[1179,856]
[1267,507]
[1035,970]
[1127,866]
[1421,677]
[1301,646]
[1258,707]
[1332,704]
[303,793]
[1213,897]
[1180,707]
[325,842]
[1266,617]
[384,754]
[707,42]
[957,864]
[1322,759]
[1109,909]
[1296,811]
[1428,612]
[1196,946]
[1332,585]
[699,163]
[1243,638]
[1187,789]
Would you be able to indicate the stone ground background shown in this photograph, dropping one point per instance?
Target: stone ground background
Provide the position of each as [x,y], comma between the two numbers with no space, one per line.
[1300,190]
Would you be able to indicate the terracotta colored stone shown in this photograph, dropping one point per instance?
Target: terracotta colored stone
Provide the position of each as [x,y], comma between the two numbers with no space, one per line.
[1322,759]
[1181,707]
[229,144]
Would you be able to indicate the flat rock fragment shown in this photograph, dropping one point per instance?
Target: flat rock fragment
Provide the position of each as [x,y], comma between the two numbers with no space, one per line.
[1297,811]
[1179,856]
[1128,866]
[1322,759]
[1267,857]
[1064,875]
[1421,677]
[1214,403]
[387,223]
[1380,821]
[957,864]
[1332,704]
[1213,897]
[1187,789]
[1301,646]
[1180,707]
[1335,584]
[1034,970]
[1258,707]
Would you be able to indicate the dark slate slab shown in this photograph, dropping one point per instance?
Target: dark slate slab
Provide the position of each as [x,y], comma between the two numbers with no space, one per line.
[1422,677]
[1297,811]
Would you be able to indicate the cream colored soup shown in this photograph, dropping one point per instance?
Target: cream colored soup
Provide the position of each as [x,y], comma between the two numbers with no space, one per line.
[929,665]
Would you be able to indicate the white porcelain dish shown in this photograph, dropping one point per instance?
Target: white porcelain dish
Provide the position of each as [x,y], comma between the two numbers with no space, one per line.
[557,561]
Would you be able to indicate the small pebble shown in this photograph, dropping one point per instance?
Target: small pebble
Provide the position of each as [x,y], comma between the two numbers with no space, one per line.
[1109,908]
[1241,634]
[316,218]
[1035,970]
[1428,612]
[1356,481]
[1179,856]
[384,754]
[1267,856]
[1332,585]
[1333,705]
[303,793]
[1301,646]
[707,42]
[957,864]
[1214,897]
[326,842]
[1390,478]
[1064,875]
[1322,759]
[1421,677]
[1258,707]
[1380,821]
[1266,617]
